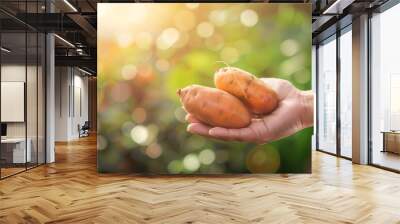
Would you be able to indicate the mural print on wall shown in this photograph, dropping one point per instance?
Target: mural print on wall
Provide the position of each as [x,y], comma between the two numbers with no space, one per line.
[149,52]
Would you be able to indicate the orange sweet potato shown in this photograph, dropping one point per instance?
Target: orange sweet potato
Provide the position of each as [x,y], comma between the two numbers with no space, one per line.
[257,95]
[214,107]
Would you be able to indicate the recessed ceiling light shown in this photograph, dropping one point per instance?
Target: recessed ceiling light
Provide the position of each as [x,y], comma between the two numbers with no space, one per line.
[64,40]
[5,50]
[70,5]
[337,7]
[84,71]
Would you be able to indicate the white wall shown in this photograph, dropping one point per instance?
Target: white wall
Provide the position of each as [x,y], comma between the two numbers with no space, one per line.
[12,73]
[80,94]
[61,103]
[71,93]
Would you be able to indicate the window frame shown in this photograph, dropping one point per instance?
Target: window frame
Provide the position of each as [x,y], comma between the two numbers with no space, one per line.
[333,37]
[378,10]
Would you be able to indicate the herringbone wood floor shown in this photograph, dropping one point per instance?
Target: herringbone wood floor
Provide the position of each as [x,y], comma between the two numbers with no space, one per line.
[70,191]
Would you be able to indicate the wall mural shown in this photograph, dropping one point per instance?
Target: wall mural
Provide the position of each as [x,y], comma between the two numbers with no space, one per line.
[189,88]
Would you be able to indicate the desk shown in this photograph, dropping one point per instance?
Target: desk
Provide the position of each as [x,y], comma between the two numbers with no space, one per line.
[16,147]
[391,141]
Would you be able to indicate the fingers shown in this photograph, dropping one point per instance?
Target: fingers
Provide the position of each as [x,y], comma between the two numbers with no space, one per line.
[242,134]
[198,128]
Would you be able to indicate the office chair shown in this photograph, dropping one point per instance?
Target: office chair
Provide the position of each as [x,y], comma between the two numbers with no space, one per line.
[84,130]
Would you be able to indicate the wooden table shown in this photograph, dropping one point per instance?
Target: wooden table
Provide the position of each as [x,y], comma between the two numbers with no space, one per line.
[391,141]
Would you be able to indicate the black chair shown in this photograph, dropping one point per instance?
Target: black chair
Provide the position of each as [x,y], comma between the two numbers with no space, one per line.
[84,130]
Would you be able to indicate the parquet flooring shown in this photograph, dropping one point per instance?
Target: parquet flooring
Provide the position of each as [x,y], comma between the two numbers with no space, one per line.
[10,171]
[71,191]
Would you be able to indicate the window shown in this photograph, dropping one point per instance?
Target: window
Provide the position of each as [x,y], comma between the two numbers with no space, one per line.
[385,89]
[22,88]
[327,95]
[346,92]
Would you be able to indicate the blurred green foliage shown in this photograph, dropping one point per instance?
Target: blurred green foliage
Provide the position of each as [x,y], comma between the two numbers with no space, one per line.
[141,122]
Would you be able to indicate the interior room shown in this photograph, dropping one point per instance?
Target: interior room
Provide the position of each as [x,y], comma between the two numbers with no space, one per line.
[385,107]
[52,114]
[22,102]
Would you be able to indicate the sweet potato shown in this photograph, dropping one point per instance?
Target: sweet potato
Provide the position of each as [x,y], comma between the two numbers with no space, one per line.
[214,107]
[256,94]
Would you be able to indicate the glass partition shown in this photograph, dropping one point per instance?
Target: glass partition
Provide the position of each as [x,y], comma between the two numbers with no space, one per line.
[327,95]
[346,92]
[41,110]
[22,88]
[14,153]
[385,89]
[32,95]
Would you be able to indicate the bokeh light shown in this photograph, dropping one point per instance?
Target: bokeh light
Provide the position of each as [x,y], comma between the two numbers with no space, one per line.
[128,72]
[154,151]
[140,134]
[175,167]
[191,162]
[249,18]
[289,47]
[205,29]
[218,17]
[167,38]
[207,156]
[263,159]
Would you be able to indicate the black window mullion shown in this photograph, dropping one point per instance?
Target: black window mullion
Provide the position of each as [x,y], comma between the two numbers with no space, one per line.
[0,96]
[369,90]
[338,76]
[26,87]
[37,90]
[316,96]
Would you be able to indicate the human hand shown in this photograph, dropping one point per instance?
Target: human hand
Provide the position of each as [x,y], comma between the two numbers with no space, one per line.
[294,113]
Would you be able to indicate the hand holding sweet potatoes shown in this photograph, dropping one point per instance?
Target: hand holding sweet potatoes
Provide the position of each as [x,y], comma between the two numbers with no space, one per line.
[294,113]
